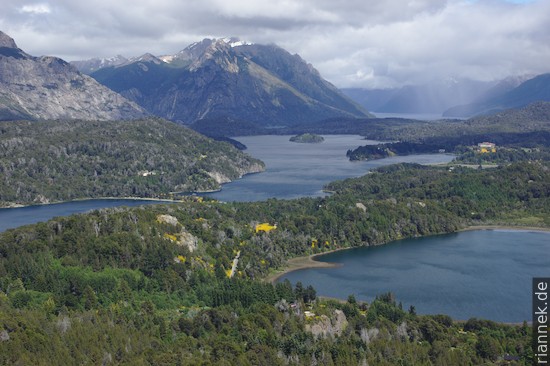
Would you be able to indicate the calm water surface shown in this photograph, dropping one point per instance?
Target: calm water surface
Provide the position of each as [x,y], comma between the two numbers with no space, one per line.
[292,170]
[301,170]
[15,217]
[485,273]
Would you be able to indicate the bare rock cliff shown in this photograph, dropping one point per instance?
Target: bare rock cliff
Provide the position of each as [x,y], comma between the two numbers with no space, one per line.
[50,88]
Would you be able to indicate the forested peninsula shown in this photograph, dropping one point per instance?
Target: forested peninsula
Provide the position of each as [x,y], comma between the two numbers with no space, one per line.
[51,161]
[182,283]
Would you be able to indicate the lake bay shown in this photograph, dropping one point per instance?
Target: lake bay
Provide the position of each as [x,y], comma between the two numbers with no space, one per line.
[485,274]
[481,273]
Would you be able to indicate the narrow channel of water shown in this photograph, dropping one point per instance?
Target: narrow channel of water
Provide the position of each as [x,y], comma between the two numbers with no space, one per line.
[293,170]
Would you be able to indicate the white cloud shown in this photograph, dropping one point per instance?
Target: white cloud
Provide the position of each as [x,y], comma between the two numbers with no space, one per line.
[366,43]
[36,9]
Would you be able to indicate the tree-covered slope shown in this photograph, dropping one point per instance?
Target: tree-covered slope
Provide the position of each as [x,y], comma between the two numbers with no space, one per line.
[59,160]
[151,285]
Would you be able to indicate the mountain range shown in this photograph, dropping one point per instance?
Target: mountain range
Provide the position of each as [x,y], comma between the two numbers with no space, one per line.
[223,87]
[506,95]
[430,98]
[456,98]
[227,78]
[50,88]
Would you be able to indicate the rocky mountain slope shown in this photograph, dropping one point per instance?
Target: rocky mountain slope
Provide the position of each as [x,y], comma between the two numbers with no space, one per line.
[217,79]
[533,90]
[48,161]
[94,64]
[430,98]
[50,88]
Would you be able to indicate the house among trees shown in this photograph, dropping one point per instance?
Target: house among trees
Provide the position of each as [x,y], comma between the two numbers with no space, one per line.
[486,147]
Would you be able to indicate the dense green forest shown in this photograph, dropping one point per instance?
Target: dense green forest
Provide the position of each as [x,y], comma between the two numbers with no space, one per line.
[522,134]
[530,142]
[63,160]
[159,284]
[380,151]
[307,138]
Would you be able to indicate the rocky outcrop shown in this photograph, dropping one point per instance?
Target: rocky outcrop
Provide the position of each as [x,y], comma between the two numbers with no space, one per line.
[187,240]
[168,219]
[182,238]
[4,336]
[50,88]
[6,41]
[94,64]
[368,335]
[361,206]
[328,327]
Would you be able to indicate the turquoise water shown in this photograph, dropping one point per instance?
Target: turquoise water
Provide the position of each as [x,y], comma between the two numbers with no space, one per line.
[483,273]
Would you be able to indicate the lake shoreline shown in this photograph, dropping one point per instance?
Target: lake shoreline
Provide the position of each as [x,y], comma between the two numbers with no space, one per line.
[163,200]
[303,262]
[505,227]
[309,261]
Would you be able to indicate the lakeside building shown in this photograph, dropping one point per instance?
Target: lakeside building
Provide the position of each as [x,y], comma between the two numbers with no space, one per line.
[486,147]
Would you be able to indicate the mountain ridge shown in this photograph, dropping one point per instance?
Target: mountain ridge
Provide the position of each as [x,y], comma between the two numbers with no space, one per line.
[526,92]
[228,78]
[48,87]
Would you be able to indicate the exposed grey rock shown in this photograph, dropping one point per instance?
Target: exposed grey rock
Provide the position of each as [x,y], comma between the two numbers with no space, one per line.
[6,41]
[4,336]
[63,324]
[368,335]
[325,326]
[188,240]
[107,359]
[94,64]
[282,305]
[169,219]
[218,79]
[402,330]
[49,88]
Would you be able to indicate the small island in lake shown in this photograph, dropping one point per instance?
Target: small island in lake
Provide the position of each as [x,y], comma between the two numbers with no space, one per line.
[308,138]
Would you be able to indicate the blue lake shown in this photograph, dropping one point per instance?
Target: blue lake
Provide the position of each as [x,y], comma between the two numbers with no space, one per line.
[301,170]
[15,217]
[483,273]
[292,170]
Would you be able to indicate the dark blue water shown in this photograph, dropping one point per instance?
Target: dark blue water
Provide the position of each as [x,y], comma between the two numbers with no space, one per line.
[484,273]
[301,170]
[15,217]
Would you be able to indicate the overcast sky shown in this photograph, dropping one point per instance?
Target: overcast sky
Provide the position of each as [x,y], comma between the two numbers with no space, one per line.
[353,43]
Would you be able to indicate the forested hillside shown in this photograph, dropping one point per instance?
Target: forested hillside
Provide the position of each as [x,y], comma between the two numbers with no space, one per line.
[52,161]
[180,283]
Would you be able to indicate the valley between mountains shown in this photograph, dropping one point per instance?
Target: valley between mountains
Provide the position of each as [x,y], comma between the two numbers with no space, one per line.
[185,283]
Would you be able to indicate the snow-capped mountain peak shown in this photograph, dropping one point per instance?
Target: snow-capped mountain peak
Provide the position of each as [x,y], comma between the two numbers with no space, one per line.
[235,42]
